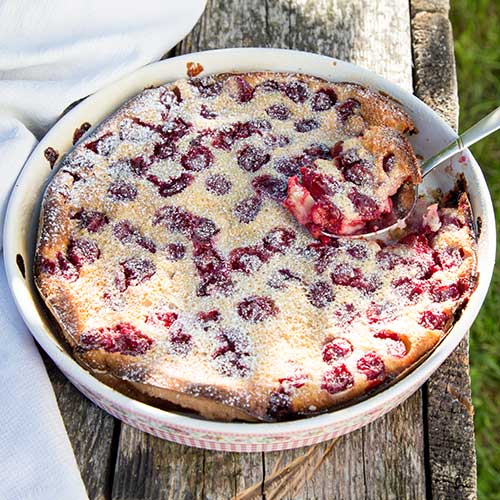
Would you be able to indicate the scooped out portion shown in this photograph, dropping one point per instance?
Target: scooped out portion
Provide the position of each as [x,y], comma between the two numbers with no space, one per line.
[355,191]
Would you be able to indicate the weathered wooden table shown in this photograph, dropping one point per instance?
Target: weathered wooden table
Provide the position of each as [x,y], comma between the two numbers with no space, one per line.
[424,448]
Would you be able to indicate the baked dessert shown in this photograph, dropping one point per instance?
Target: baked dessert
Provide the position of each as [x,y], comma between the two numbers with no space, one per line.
[171,265]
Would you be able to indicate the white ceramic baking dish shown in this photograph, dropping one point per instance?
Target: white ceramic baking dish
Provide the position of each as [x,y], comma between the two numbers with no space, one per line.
[22,221]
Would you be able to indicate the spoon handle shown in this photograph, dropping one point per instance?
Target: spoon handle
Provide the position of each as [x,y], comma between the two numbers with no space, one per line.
[482,128]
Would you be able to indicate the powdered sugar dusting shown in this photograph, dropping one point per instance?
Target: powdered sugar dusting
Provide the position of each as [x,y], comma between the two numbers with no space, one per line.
[228,297]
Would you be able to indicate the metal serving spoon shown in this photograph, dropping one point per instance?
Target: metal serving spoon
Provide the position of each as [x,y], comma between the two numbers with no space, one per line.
[408,194]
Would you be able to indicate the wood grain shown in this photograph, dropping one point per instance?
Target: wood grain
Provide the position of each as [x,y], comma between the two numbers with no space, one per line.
[448,410]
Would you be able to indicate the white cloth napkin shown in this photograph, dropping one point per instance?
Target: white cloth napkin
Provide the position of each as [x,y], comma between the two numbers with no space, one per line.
[52,53]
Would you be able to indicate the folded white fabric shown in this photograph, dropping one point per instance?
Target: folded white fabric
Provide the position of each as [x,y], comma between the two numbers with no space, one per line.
[52,53]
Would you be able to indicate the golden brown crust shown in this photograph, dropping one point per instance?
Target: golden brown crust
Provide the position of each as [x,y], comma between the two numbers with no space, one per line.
[89,300]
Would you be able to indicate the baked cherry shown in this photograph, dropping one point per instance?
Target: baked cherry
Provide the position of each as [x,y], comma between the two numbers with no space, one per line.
[215,283]
[176,219]
[122,191]
[247,209]
[434,319]
[123,338]
[175,251]
[347,108]
[289,166]
[83,251]
[218,184]
[212,316]
[315,151]
[267,185]
[269,86]
[133,272]
[323,99]
[92,220]
[358,173]
[211,267]
[206,258]
[409,288]
[306,125]
[294,381]
[324,255]
[380,312]
[232,354]
[364,205]
[388,162]
[163,318]
[247,259]
[346,275]
[337,379]
[207,86]
[207,113]
[279,240]
[357,251]
[318,184]
[442,293]
[175,129]
[327,216]
[346,314]
[295,90]
[180,340]
[245,90]
[426,261]
[126,233]
[204,229]
[140,165]
[371,366]
[103,145]
[252,158]
[59,267]
[320,294]
[279,405]
[164,150]
[388,259]
[278,112]
[197,158]
[257,308]
[335,349]
[227,136]
[171,186]
[48,266]
[276,141]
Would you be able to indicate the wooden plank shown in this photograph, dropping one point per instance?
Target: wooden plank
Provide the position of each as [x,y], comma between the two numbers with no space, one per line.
[148,467]
[393,453]
[449,411]
[92,432]
[384,460]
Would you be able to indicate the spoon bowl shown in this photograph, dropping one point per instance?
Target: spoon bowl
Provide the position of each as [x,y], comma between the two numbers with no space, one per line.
[405,200]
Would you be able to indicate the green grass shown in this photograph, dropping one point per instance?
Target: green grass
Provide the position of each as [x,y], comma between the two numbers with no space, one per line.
[476,26]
